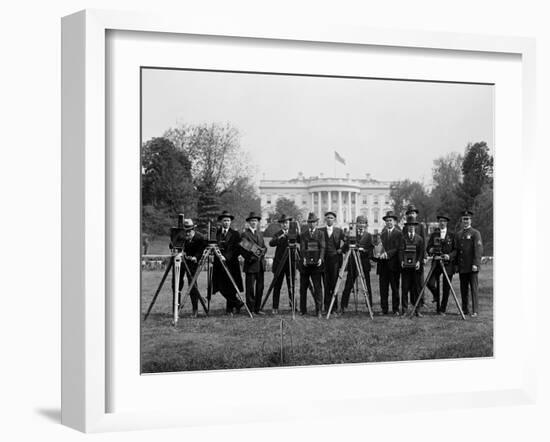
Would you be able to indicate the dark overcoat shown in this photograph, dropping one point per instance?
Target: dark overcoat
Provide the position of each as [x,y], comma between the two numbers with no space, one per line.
[392,244]
[448,247]
[230,249]
[280,242]
[305,238]
[469,249]
[365,243]
[417,241]
[253,263]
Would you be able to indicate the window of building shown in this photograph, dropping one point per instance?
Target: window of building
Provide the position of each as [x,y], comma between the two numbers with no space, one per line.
[364,201]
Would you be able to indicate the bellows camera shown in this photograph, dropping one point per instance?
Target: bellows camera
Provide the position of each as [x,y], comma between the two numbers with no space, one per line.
[177,234]
[409,257]
[352,235]
[292,232]
[436,248]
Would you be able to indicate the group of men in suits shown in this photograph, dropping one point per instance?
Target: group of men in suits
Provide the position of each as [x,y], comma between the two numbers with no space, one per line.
[320,257]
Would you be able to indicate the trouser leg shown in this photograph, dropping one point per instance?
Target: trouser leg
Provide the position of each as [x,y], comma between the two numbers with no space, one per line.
[350,281]
[277,289]
[432,284]
[259,291]
[464,288]
[304,283]
[331,276]
[384,290]
[446,291]
[250,279]
[474,283]
[317,297]
[194,291]
[394,284]
[408,281]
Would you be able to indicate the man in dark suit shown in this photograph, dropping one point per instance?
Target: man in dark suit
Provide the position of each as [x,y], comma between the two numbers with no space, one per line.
[334,240]
[421,230]
[364,247]
[193,248]
[280,242]
[447,241]
[312,250]
[253,251]
[469,249]
[228,242]
[411,254]
[388,267]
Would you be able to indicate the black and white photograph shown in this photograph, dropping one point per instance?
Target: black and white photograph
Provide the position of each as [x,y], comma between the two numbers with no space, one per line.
[301,220]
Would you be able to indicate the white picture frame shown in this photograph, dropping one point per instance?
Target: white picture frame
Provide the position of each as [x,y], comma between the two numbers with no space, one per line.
[86,234]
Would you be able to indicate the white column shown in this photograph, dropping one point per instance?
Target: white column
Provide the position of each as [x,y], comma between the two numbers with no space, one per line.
[320,204]
[340,211]
[349,207]
[354,206]
[329,200]
[312,202]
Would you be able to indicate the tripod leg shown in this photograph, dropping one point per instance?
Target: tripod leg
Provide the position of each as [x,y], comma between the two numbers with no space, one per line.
[293,281]
[276,275]
[339,282]
[188,273]
[168,268]
[177,270]
[452,291]
[421,294]
[361,273]
[200,267]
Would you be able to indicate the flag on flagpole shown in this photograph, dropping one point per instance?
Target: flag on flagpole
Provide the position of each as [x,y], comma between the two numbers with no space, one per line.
[339,158]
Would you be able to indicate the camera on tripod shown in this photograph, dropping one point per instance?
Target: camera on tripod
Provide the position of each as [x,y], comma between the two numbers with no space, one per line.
[293,232]
[437,244]
[352,235]
[177,235]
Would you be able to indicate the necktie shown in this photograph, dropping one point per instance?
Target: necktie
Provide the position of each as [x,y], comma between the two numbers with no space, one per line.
[410,236]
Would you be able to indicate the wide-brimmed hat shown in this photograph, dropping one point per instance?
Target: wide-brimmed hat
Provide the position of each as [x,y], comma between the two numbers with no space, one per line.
[411,208]
[284,218]
[188,224]
[331,213]
[311,218]
[444,216]
[361,219]
[225,214]
[411,221]
[390,214]
[253,215]
[467,213]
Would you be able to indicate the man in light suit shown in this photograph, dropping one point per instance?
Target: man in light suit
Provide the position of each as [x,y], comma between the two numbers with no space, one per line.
[334,241]
[389,267]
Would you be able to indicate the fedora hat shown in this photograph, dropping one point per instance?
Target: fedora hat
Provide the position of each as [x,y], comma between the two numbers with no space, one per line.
[331,213]
[361,219]
[311,218]
[410,209]
[284,218]
[443,216]
[411,221]
[253,215]
[188,224]
[390,214]
[225,214]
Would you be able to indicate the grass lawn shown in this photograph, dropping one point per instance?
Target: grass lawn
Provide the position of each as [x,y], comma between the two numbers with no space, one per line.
[223,342]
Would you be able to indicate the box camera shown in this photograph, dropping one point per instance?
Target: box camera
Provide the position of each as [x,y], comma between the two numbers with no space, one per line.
[312,253]
[409,257]
[177,235]
[437,244]
[352,235]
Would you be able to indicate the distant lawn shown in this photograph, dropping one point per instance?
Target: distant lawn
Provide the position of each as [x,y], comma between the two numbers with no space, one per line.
[223,342]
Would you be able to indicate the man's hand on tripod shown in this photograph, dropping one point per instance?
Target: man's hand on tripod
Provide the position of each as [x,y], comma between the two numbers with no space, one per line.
[191,258]
[446,257]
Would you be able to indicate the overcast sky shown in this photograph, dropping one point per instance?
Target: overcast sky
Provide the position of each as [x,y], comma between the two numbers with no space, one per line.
[390,129]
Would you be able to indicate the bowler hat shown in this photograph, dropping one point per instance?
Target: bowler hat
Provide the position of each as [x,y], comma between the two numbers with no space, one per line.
[284,218]
[361,219]
[331,213]
[225,214]
[188,224]
[444,216]
[467,213]
[411,221]
[390,214]
[410,209]
[253,215]
[311,218]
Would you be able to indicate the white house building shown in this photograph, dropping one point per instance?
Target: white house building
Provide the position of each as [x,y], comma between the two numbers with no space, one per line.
[347,197]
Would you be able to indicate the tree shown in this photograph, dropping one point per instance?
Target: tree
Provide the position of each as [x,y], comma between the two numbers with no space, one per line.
[407,192]
[447,179]
[220,168]
[241,197]
[477,172]
[167,186]
[286,206]
[483,217]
